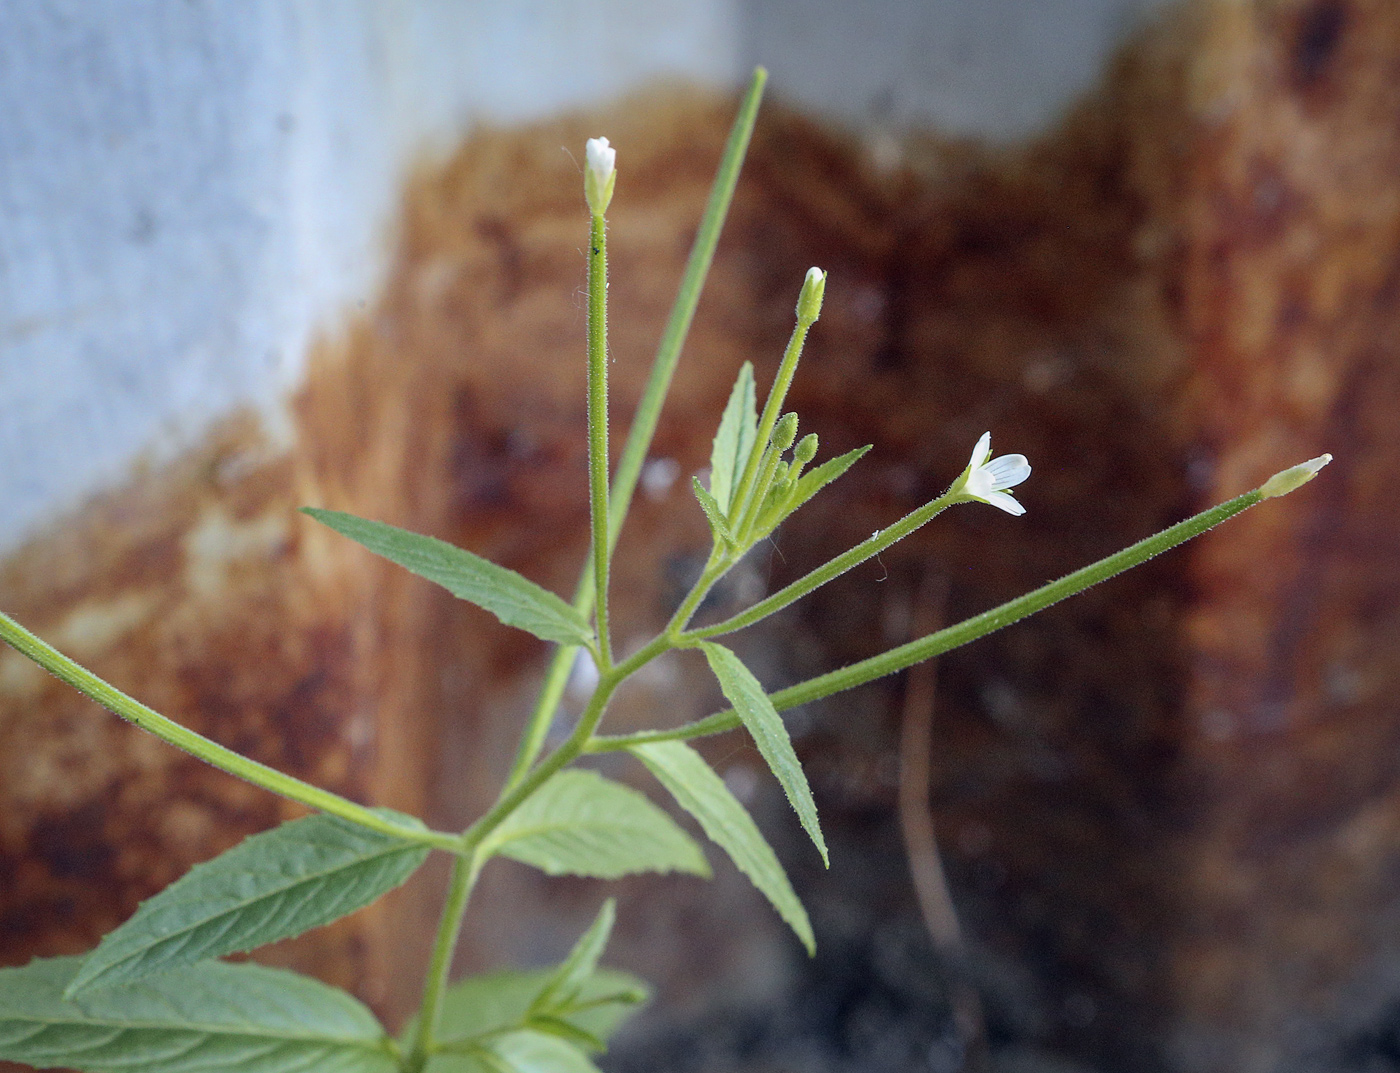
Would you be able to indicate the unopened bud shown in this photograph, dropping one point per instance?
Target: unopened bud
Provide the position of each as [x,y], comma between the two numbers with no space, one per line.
[806,450]
[785,432]
[599,174]
[809,302]
[1280,484]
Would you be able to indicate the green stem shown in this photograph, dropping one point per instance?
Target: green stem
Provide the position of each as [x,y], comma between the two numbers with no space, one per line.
[743,531]
[464,873]
[790,594]
[715,568]
[906,655]
[117,702]
[771,411]
[634,452]
[598,427]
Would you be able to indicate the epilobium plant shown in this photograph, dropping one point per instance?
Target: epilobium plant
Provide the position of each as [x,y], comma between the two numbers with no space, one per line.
[154,996]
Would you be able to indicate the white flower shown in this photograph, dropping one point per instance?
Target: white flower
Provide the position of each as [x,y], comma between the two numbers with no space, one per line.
[602,158]
[600,174]
[986,481]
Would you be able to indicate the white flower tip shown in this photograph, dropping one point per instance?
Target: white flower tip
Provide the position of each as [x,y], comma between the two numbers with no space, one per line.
[600,175]
[1285,481]
[981,451]
[602,157]
[809,302]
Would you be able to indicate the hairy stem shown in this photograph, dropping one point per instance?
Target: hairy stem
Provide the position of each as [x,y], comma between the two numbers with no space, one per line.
[906,655]
[464,873]
[598,427]
[648,413]
[790,594]
[211,752]
[772,408]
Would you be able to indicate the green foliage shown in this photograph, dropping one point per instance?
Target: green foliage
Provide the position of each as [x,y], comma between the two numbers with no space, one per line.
[270,886]
[579,823]
[581,963]
[527,1021]
[522,1051]
[806,486]
[702,793]
[734,441]
[513,599]
[753,707]
[152,999]
[204,1018]
[719,525]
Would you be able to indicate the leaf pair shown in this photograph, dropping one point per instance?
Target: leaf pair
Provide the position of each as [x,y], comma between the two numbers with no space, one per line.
[546,1021]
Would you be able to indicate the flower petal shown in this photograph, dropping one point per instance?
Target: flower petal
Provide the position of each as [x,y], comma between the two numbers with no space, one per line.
[1004,501]
[602,157]
[978,484]
[1008,471]
[981,451]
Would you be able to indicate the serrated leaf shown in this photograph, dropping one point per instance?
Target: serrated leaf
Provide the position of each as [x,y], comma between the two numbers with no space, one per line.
[753,707]
[581,962]
[579,823]
[270,886]
[486,1006]
[812,482]
[733,443]
[718,526]
[513,599]
[702,793]
[205,1018]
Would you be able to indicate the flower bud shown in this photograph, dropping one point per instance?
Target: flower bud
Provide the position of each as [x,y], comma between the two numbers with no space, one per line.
[1280,484]
[809,302]
[599,174]
[785,432]
[806,450]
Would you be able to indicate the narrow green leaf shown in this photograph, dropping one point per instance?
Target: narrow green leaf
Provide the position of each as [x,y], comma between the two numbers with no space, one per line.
[523,1051]
[702,793]
[271,886]
[809,484]
[557,1026]
[738,428]
[581,962]
[579,823]
[513,599]
[206,1018]
[770,734]
[483,1007]
[712,510]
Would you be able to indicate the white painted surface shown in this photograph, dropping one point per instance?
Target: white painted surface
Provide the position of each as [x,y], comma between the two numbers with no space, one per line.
[190,188]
